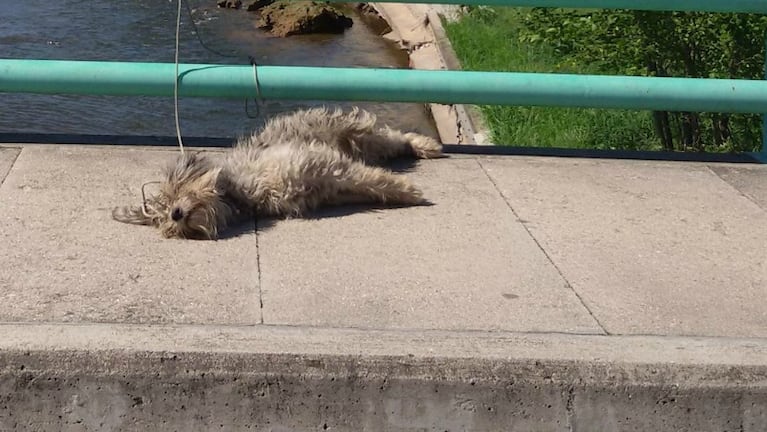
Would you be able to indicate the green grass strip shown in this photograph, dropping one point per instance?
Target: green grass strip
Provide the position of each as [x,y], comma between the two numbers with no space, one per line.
[486,39]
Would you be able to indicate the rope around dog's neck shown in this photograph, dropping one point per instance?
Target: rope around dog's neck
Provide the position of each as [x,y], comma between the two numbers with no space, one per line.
[175,81]
[145,207]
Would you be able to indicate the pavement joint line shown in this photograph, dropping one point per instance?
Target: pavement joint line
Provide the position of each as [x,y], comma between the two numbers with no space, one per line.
[258,272]
[542,249]
[736,189]
[13,162]
[570,409]
[398,330]
[419,330]
[357,329]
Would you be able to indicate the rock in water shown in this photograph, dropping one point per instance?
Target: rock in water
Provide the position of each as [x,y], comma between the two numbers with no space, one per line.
[286,18]
[230,4]
[254,5]
[373,19]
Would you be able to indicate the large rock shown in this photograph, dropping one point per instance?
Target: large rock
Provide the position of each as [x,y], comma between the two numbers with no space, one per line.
[286,18]
[372,18]
[230,4]
[254,5]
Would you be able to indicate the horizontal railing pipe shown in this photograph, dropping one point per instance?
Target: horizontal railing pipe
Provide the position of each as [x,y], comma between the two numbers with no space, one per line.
[745,6]
[384,85]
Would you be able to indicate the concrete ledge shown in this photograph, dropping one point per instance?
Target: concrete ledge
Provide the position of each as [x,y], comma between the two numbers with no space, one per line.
[417,28]
[123,377]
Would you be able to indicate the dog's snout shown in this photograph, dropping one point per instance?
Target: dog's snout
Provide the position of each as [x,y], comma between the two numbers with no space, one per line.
[177,214]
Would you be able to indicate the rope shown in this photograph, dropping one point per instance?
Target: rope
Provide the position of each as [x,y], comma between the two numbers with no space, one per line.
[176,79]
[199,38]
[259,100]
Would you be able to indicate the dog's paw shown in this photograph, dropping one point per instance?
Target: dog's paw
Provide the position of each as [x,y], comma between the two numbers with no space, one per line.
[406,193]
[424,147]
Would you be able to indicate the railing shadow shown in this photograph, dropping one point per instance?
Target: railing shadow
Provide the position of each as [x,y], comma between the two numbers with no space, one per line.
[457,149]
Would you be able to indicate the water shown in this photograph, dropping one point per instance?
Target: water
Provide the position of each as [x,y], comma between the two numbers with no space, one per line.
[144,30]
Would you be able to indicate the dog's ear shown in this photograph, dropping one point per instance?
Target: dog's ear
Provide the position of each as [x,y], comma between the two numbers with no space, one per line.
[188,162]
[196,158]
[209,180]
[187,166]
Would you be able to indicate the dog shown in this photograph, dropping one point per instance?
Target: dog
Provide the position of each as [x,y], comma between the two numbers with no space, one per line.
[297,163]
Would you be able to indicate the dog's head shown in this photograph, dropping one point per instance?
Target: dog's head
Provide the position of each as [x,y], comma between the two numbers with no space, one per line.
[190,202]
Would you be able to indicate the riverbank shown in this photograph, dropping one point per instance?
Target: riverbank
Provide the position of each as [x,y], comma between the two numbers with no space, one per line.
[488,39]
[417,28]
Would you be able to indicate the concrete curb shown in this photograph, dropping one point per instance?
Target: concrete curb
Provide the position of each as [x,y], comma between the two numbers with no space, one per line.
[418,29]
[469,123]
[151,377]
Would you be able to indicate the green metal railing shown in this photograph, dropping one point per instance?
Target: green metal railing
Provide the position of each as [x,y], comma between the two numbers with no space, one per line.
[387,85]
[398,85]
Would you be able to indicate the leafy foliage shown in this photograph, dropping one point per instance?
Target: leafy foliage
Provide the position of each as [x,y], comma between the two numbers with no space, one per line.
[700,45]
[488,39]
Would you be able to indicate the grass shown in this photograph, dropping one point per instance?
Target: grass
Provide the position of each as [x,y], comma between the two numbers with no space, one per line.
[486,39]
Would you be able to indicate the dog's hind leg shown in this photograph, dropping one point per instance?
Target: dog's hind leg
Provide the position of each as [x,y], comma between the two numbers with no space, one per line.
[291,180]
[355,134]
[387,143]
[366,184]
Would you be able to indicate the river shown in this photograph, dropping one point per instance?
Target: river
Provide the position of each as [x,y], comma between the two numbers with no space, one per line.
[144,30]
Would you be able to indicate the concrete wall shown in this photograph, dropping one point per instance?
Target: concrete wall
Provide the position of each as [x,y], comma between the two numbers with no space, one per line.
[114,390]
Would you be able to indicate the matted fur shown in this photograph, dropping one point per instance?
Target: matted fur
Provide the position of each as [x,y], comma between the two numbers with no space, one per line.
[296,163]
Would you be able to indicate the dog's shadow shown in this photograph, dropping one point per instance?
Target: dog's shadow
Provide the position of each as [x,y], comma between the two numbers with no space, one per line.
[264,223]
[350,209]
[401,165]
[244,227]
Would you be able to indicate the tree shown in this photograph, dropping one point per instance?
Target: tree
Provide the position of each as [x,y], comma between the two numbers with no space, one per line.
[682,44]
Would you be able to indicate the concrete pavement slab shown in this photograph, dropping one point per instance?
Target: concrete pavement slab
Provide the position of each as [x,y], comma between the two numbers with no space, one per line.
[463,263]
[751,181]
[7,157]
[65,259]
[652,248]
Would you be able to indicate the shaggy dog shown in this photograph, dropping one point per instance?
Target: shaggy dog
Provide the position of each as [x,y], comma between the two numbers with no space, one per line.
[296,163]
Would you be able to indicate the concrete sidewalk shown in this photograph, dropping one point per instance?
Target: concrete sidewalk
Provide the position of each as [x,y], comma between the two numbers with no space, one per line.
[595,272]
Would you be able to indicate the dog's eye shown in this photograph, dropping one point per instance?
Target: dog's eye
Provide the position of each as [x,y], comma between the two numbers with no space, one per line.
[177,214]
